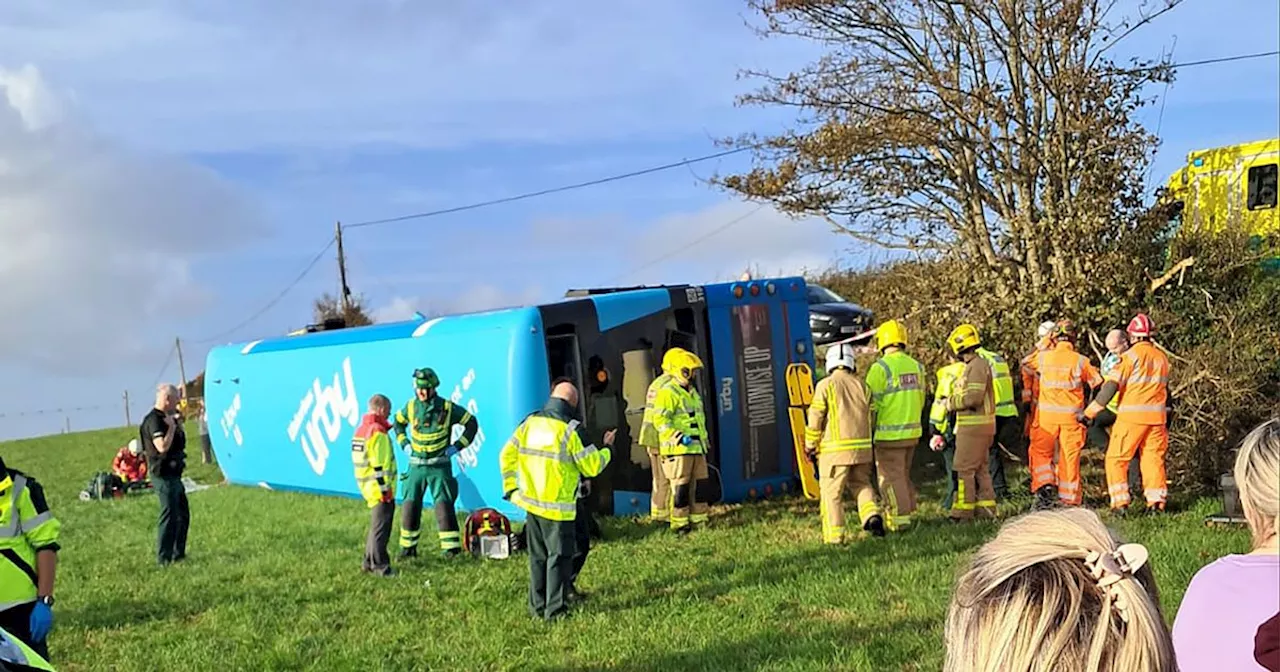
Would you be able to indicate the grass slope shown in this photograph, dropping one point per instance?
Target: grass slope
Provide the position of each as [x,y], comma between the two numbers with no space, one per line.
[272,583]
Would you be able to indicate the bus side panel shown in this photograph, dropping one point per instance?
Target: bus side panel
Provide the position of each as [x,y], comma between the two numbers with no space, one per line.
[283,418]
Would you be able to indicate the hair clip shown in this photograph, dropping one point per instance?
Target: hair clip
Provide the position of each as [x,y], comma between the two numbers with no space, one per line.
[1108,569]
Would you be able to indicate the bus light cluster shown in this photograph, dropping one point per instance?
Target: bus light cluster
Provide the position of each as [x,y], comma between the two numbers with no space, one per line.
[754,289]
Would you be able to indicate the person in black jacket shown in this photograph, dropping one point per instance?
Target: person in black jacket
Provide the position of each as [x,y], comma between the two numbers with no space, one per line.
[165,442]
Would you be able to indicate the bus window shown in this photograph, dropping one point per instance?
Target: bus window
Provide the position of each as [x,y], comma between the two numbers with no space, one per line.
[562,361]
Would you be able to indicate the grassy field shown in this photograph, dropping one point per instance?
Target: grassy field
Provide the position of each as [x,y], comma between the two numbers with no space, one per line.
[272,583]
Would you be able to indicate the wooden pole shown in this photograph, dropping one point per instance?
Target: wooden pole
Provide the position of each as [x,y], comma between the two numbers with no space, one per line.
[343,292]
[182,369]
[127,421]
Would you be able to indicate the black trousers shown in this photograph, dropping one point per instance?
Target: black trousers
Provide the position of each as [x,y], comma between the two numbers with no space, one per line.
[1005,434]
[949,465]
[175,518]
[376,559]
[581,541]
[17,622]
[551,548]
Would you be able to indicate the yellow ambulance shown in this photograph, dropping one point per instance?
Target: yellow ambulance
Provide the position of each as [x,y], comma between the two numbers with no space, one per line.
[1231,186]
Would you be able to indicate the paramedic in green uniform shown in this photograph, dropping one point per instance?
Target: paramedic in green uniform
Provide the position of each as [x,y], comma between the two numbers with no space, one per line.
[425,426]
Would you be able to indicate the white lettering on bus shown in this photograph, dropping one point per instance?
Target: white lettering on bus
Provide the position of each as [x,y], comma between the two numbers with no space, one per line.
[469,456]
[323,410]
[761,403]
[726,394]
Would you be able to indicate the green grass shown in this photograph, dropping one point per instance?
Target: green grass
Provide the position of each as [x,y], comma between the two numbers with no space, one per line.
[272,583]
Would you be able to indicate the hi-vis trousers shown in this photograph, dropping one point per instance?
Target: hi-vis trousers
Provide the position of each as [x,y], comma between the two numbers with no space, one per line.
[1070,437]
[836,472]
[1126,439]
[974,493]
[660,494]
[893,464]
[439,481]
[684,472]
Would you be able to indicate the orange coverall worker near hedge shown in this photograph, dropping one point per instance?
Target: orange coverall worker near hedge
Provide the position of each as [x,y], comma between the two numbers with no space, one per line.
[838,437]
[374,461]
[660,493]
[1027,369]
[683,439]
[28,559]
[1063,374]
[542,464]
[130,464]
[1142,381]
[896,382]
[974,403]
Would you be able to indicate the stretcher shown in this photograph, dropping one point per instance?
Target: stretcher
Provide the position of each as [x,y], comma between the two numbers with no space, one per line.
[799,394]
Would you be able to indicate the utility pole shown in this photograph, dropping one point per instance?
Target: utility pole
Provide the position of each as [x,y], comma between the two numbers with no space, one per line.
[182,369]
[68,419]
[127,421]
[343,291]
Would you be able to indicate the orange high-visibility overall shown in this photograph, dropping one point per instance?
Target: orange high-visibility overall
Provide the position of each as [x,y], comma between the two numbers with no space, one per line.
[1062,373]
[1143,380]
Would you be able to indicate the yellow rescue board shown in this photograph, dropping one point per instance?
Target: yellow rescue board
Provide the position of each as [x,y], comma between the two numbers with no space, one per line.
[800,393]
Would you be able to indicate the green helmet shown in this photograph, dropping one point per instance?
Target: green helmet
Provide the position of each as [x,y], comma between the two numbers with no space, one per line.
[426,377]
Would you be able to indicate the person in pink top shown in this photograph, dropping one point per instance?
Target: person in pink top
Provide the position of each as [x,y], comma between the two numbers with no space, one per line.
[1230,599]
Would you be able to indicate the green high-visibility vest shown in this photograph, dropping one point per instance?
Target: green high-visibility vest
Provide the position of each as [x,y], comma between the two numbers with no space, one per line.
[1001,382]
[948,378]
[15,652]
[896,382]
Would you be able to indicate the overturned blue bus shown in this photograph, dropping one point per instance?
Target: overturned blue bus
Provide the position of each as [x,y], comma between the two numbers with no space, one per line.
[282,410]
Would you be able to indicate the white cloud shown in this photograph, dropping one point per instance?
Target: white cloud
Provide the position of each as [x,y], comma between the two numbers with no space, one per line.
[474,299]
[99,242]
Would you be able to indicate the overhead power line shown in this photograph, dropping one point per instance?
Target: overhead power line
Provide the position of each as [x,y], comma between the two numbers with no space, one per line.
[553,190]
[1207,61]
[271,304]
[686,244]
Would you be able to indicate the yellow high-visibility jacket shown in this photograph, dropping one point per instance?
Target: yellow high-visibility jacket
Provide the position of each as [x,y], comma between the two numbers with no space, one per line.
[648,433]
[374,460]
[27,526]
[545,458]
[678,414]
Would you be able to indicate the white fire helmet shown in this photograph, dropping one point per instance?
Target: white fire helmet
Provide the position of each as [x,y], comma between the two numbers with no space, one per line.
[840,354]
[133,446]
[1045,329]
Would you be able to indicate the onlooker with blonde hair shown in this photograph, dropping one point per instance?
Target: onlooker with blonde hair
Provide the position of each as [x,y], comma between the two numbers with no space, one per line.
[1231,598]
[1056,590]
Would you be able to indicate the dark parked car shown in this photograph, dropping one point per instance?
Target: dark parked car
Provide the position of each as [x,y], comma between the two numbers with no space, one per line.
[831,318]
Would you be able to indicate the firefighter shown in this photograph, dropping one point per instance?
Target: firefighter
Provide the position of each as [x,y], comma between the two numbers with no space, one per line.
[542,465]
[1142,381]
[424,426]
[374,461]
[660,495]
[896,382]
[683,441]
[1062,375]
[1006,419]
[29,546]
[974,404]
[943,423]
[838,439]
[130,465]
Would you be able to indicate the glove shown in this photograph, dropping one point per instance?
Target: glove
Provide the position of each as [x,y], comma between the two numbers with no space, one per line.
[452,450]
[811,453]
[1082,418]
[686,440]
[937,443]
[387,497]
[507,495]
[41,621]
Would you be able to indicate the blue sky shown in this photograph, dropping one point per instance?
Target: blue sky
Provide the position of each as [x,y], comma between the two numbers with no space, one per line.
[180,162]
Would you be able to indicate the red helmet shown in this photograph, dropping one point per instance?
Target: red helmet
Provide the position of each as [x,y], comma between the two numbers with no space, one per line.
[1140,326]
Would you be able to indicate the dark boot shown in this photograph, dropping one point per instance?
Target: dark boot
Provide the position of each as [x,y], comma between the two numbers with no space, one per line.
[875,525]
[1046,498]
[408,553]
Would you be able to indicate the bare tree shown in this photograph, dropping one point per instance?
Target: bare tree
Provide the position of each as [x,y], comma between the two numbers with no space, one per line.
[329,307]
[995,131]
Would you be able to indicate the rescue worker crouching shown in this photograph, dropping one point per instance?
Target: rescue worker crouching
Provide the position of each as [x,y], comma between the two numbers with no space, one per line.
[683,437]
[896,382]
[1063,374]
[974,404]
[130,465]
[943,423]
[542,464]
[838,439]
[660,494]
[425,427]
[28,559]
[1141,380]
[374,461]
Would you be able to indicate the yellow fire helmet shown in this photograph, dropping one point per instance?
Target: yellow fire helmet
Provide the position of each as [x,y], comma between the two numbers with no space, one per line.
[671,360]
[684,366]
[964,337]
[890,333]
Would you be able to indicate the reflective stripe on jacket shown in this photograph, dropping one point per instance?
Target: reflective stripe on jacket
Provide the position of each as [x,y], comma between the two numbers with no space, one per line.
[974,398]
[16,652]
[948,378]
[1143,380]
[129,467]
[896,382]
[649,434]
[839,415]
[374,460]
[27,526]
[427,427]
[542,463]
[1063,373]
[677,413]
[1002,383]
